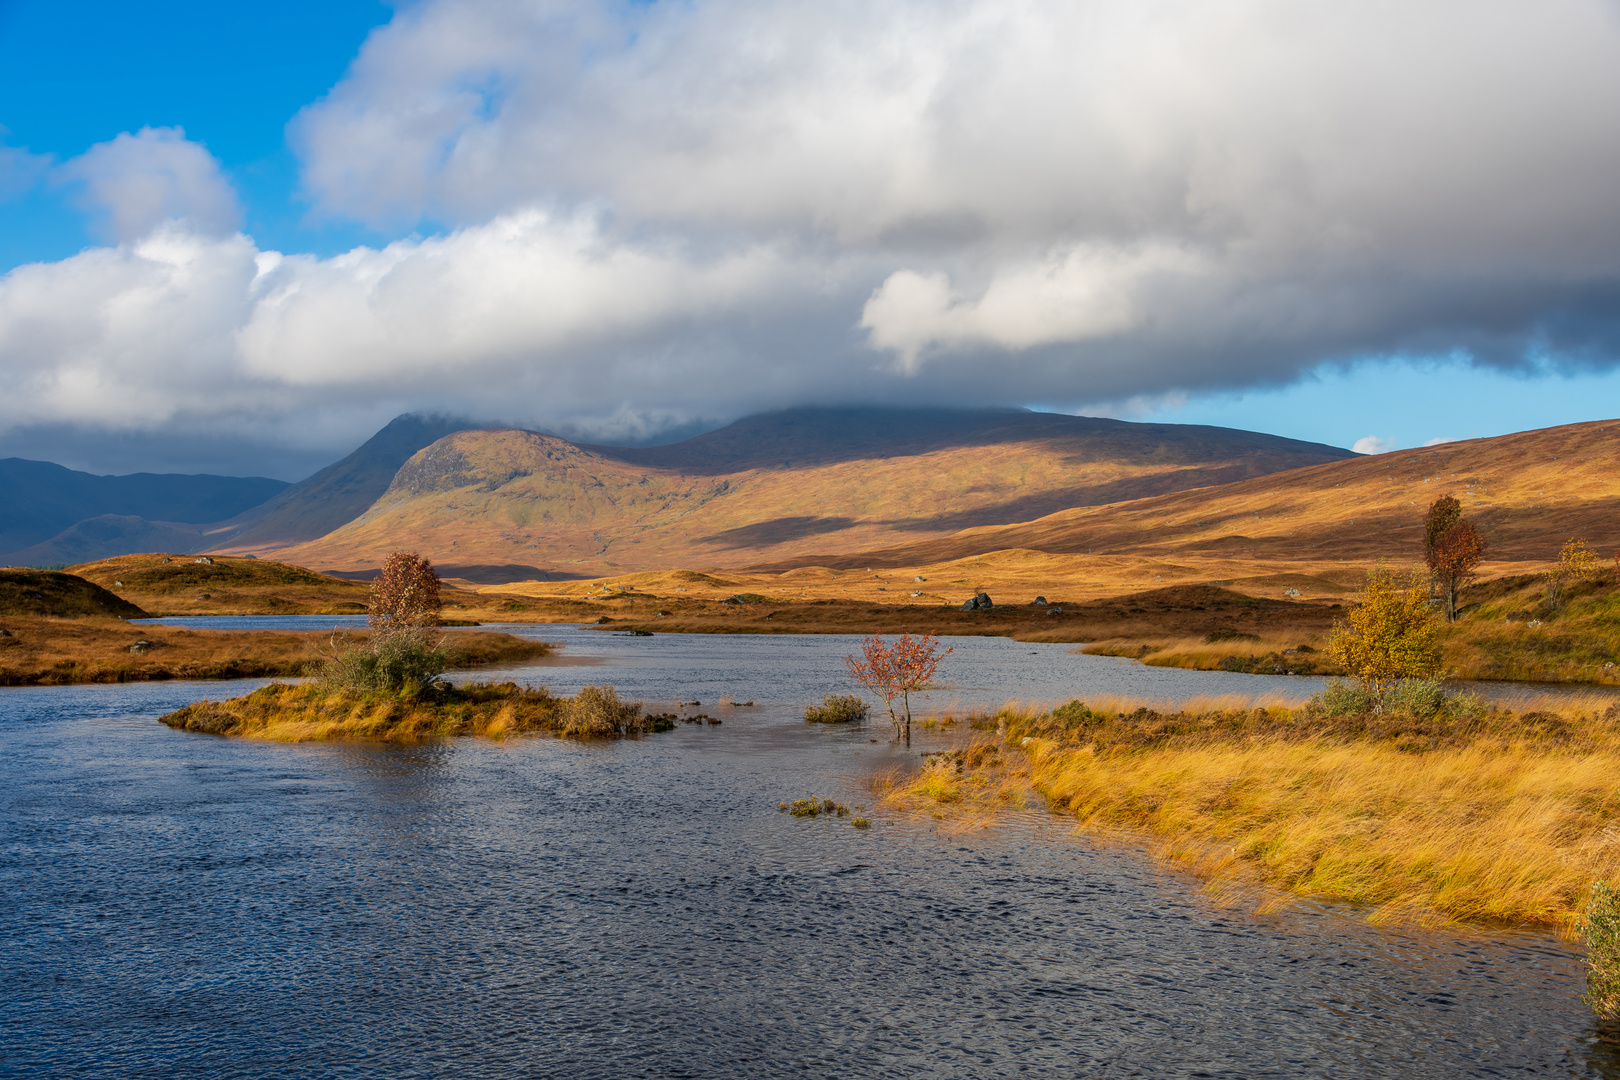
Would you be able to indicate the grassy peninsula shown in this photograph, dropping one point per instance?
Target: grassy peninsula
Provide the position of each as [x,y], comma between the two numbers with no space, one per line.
[1436,809]
[53,652]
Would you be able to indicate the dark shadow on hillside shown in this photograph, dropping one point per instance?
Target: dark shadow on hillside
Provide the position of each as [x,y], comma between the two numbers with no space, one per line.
[826,435]
[778,531]
[477,573]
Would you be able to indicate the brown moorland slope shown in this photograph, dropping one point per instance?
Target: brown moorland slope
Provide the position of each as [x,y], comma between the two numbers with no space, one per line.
[778,487]
[1527,493]
[48,594]
[170,584]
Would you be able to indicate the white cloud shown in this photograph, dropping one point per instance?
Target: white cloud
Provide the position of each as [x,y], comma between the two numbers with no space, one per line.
[1081,295]
[138,182]
[652,212]
[1318,181]
[1372,444]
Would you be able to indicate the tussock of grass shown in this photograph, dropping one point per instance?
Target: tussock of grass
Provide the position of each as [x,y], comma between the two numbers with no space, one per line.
[312,713]
[836,709]
[1473,814]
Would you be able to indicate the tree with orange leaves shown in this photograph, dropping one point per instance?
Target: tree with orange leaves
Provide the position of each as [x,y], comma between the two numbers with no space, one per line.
[406,594]
[1452,559]
[897,671]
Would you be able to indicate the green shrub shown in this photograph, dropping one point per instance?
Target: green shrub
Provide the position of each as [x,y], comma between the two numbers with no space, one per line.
[1342,697]
[1074,715]
[836,709]
[1602,932]
[1413,699]
[1419,699]
[403,661]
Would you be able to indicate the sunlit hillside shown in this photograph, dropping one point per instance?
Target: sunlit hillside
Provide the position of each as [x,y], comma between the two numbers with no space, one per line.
[777,487]
[1527,492]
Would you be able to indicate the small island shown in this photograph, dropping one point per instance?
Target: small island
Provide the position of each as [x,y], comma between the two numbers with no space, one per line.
[386,686]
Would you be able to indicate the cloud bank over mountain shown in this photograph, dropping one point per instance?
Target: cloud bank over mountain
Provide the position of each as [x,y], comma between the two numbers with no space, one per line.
[612,218]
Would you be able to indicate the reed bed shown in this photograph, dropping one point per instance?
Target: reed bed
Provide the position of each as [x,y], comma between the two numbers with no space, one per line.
[1486,815]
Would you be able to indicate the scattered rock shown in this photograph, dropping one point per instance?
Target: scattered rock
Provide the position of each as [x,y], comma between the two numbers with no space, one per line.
[1039,601]
[1054,611]
[205,596]
[919,577]
[980,602]
[7,633]
[203,560]
[142,646]
[120,584]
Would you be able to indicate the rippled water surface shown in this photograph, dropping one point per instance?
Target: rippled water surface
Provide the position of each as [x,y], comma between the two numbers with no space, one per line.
[177,904]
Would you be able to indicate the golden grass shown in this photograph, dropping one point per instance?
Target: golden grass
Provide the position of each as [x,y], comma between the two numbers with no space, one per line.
[64,651]
[1499,818]
[317,713]
[1303,652]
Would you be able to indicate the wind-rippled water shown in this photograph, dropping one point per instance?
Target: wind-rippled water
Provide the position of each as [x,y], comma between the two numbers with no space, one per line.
[177,904]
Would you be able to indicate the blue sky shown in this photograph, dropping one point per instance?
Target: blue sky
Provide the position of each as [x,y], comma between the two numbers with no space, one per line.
[230,74]
[232,240]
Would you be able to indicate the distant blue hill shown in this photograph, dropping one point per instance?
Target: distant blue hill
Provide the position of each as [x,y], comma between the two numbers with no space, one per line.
[38,499]
[51,515]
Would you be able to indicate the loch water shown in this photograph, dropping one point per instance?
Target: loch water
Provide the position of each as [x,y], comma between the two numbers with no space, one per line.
[184,905]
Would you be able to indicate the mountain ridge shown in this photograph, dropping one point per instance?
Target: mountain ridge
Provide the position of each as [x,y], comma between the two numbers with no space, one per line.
[774,483]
